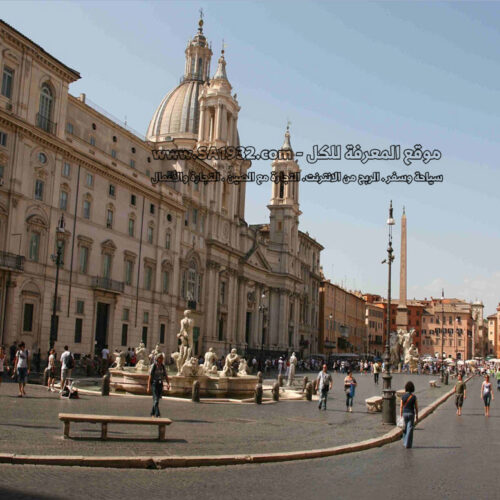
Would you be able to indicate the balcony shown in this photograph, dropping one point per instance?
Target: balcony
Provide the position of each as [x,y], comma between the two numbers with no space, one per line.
[11,261]
[45,124]
[107,284]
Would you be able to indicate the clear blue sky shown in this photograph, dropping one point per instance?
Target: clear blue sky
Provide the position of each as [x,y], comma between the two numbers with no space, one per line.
[372,74]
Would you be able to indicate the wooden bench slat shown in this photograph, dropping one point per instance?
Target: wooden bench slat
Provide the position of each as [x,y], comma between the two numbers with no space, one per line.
[113,419]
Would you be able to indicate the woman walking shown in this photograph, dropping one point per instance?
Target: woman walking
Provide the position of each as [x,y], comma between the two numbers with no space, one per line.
[22,366]
[157,374]
[52,370]
[487,395]
[409,412]
[349,388]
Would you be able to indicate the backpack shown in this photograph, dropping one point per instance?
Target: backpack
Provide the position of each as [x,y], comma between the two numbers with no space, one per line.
[70,362]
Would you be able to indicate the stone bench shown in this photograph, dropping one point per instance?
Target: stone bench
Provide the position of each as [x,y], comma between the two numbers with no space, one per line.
[374,404]
[104,420]
[433,383]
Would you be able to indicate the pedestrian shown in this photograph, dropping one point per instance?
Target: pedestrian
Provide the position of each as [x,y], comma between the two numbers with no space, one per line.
[157,374]
[323,383]
[409,412]
[22,366]
[376,372]
[460,394]
[280,366]
[12,352]
[487,395]
[3,363]
[52,370]
[105,359]
[66,367]
[350,389]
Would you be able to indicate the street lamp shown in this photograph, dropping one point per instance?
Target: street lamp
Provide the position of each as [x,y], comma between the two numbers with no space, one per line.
[57,259]
[389,398]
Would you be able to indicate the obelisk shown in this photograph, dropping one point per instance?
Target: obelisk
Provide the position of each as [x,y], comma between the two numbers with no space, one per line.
[402,311]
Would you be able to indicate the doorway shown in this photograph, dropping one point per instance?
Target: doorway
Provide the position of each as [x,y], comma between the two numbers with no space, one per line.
[101,326]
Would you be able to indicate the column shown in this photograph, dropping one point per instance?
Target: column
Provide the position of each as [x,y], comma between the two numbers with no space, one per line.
[201,127]
[241,309]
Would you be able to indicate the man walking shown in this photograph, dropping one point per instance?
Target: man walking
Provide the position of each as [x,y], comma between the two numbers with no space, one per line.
[460,394]
[66,367]
[376,372]
[324,384]
[22,366]
[105,359]
[157,374]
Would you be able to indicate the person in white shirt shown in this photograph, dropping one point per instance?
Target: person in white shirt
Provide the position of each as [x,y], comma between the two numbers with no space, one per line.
[105,358]
[22,365]
[65,370]
[52,370]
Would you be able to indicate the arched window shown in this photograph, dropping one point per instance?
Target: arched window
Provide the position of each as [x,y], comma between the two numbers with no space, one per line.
[45,109]
[191,283]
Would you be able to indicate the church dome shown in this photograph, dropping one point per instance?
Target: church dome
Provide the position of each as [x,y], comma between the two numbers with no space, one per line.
[178,113]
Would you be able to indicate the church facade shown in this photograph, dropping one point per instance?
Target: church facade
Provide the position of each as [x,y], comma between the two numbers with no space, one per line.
[136,254]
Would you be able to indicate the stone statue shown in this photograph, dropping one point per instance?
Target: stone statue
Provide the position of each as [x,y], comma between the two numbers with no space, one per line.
[231,359]
[119,359]
[186,338]
[243,368]
[209,365]
[406,342]
[154,354]
[142,358]
[291,372]
[191,368]
[411,358]
[396,347]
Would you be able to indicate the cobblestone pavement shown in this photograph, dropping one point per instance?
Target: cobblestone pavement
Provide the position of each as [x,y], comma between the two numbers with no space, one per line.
[453,457]
[31,426]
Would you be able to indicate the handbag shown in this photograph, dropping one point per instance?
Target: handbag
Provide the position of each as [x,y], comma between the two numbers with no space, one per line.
[400,422]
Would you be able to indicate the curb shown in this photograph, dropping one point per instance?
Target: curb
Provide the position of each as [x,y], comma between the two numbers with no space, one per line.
[160,462]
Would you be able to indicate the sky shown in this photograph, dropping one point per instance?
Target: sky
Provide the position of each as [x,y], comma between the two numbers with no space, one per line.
[367,73]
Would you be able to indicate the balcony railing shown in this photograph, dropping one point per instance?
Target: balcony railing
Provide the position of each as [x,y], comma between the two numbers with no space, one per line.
[12,261]
[45,124]
[98,282]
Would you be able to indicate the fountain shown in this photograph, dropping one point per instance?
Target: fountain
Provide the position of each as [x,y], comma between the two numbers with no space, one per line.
[232,381]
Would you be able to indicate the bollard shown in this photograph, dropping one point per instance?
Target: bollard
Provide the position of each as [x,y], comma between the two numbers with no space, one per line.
[280,380]
[46,376]
[309,391]
[445,378]
[259,377]
[258,394]
[276,391]
[105,384]
[304,383]
[195,395]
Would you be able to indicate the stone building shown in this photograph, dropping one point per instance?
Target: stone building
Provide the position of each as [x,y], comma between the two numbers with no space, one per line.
[136,253]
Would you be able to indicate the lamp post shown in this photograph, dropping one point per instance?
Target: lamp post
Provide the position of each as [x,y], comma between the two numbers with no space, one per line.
[57,259]
[389,398]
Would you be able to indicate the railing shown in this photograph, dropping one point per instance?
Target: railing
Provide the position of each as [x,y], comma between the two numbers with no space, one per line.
[107,284]
[12,261]
[45,124]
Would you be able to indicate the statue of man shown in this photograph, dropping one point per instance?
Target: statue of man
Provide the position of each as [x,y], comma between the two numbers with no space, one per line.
[293,365]
[186,338]
[229,368]
[210,359]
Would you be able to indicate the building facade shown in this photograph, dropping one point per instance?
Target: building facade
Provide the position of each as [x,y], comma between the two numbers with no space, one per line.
[137,253]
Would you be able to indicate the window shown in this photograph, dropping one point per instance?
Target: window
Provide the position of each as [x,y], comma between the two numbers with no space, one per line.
[191,283]
[106,267]
[113,153]
[129,269]
[80,304]
[124,334]
[167,240]
[133,150]
[133,200]
[131,227]
[186,218]
[112,190]
[114,138]
[90,180]
[84,258]
[148,277]
[132,163]
[34,246]
[28,317]
[86,209]
[38,190]
[66,170]
[42,158]
[94,126]
[109,219]
[7,79]
[45,109]
[92,140]
[125,314]
[222,292]
[150,234]
[169,217]
[69,128]
[165,279]
[145,335]
[162,333]
[195,217]
[3,139]
[145,317]
[63,200]
[78,330]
